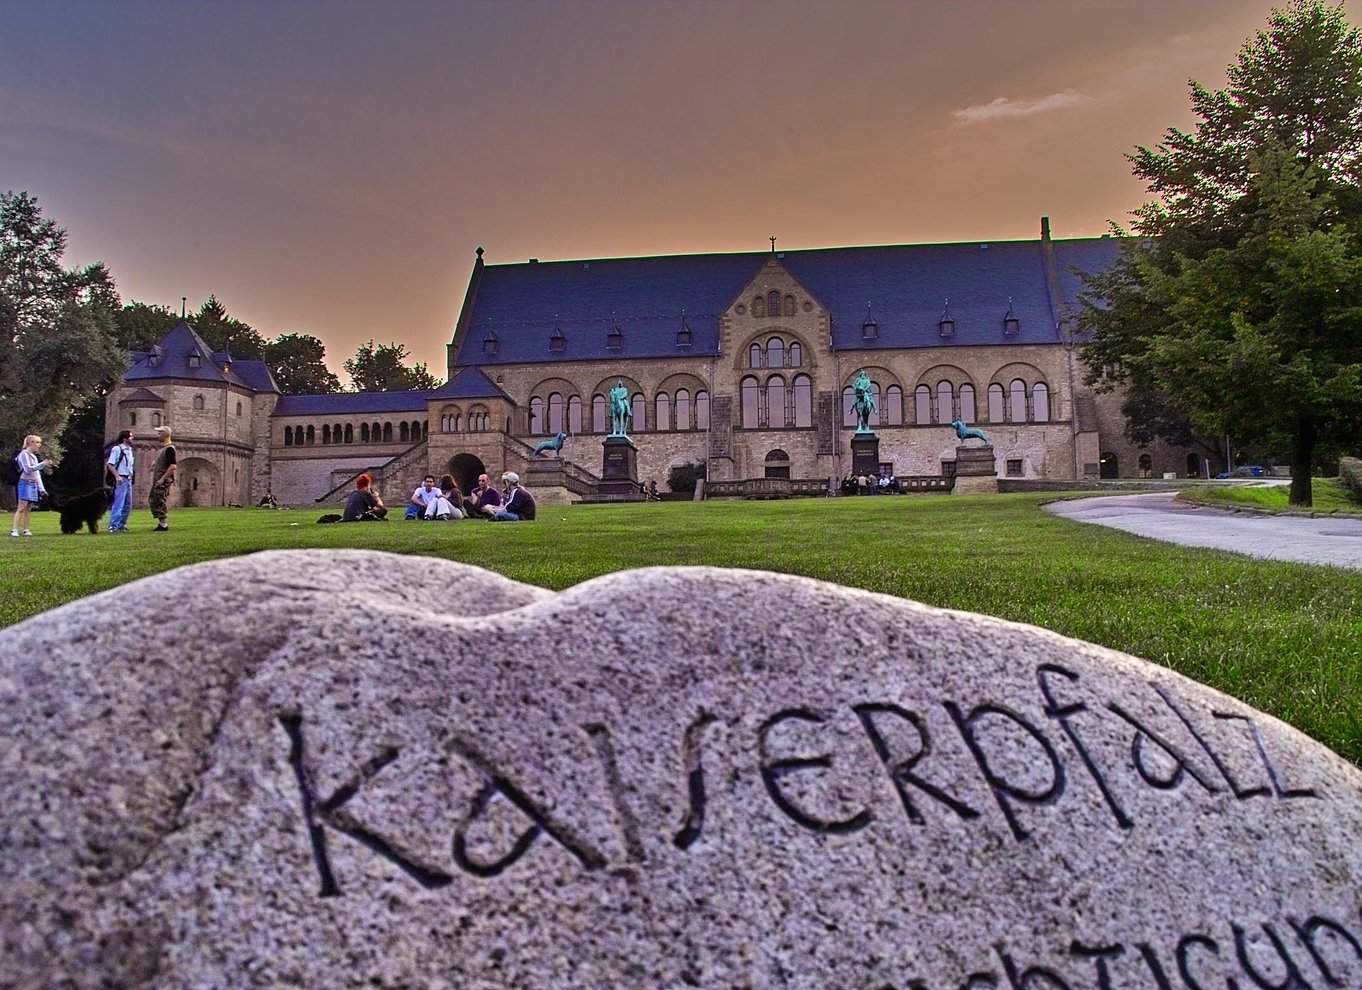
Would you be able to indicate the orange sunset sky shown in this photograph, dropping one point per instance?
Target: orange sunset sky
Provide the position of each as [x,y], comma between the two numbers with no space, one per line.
[329,168]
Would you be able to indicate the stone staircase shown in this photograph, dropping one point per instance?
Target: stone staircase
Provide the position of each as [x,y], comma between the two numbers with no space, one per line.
[396,476]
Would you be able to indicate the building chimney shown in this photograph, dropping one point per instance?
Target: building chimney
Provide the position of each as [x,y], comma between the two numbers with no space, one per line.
[1044,228]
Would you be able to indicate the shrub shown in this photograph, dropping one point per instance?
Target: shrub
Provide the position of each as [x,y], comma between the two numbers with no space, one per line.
[1350,477]
[683,477]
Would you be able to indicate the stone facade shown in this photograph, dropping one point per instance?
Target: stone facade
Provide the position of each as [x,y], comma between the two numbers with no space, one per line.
[763,392]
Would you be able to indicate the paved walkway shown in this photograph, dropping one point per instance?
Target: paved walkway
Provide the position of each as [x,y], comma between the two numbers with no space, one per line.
[1161,516]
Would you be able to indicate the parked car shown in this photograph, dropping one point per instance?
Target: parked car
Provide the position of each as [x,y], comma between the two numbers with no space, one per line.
[1245,471]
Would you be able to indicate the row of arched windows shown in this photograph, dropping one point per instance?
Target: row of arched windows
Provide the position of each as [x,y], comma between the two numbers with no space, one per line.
[453,420]
[775,354]
[1017,403]
[772,304]
[405,432]
[776,404]
[678,410]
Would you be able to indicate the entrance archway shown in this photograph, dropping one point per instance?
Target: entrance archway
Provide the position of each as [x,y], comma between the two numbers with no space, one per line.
[1193,466]
[1109,467]
[466,468]
[199,482]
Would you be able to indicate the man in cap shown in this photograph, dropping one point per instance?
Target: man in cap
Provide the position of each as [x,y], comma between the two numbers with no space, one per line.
[519,505]
[162,477]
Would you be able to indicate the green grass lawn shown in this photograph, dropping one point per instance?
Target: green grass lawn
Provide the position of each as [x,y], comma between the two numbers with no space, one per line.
[1286,638]
[1327,494]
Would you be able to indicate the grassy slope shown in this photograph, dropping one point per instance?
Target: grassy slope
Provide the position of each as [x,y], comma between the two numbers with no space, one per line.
[1328,496]
[1286,638]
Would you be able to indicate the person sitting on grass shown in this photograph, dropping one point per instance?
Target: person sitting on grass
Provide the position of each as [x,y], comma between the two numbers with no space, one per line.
[267,501]
[519,502]
[482,496]
[447,503]
[363,504]
[418,507]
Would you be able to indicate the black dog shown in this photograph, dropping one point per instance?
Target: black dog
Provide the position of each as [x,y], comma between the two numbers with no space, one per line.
[84,510]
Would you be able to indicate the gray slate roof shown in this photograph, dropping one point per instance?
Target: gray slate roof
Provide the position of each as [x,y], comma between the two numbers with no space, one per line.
[470,383]
[170,359]
[353,403]
[905,288]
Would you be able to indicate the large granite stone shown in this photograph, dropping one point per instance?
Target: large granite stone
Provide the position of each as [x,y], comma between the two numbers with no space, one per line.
[273,771]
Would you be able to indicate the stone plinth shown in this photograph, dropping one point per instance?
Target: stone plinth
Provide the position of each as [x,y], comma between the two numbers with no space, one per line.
[976,470]
[547,482]
[865,453]
[668,777]
[619,472]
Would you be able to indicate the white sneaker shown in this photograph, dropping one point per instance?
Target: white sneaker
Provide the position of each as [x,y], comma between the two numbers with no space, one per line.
[28,532]
[14,532]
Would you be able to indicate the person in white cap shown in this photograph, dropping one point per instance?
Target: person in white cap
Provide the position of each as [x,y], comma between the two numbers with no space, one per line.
[519,505]
[162,477]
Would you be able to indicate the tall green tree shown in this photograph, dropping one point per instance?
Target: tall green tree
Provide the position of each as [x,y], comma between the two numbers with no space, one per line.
[298,361]
[1238,300]
[223,332]
[381,369]
[58,339]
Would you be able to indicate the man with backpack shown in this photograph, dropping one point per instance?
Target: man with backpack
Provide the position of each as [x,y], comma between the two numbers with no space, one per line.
[118,469]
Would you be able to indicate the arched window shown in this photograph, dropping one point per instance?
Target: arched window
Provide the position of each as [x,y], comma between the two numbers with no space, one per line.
[376,433]
[198,402]
[326,433]
[155,419]
[455,424]
[759,306]
[574,422]
[922,405]
[403,432]
[662,406]
[750,403]
[537,423]
[387,433]
[1040,403]
[893,405]
[349,433]
[364,432]
[1016,406]
[425,428]
[794,354]
[788,306]
[132,419]
[775,402]
[555,412]
[637,403]
[702,410]
[775,353]
[773,303]
[755,356]
[311,435]
[683,409]
[777,464]
[336,433]
[945,402]
[967,410]
[995,403]
[803,401]
[238,408]
[288,436]
[848,406]
[598,414]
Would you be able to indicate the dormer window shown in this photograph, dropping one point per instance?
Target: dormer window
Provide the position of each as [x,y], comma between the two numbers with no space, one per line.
[946,324]
[489,343]
[684,337]
[870,330]
[1010,322]
[557,342]
[193,360]
[614,340]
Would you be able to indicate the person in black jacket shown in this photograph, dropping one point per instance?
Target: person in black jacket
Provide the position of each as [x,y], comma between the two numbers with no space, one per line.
[519,505]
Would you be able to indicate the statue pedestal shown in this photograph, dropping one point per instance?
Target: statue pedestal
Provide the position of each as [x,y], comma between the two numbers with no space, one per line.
[619,471]
[865,453]
[975,470]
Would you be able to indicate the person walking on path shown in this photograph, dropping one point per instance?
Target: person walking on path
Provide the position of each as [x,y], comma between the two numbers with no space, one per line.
[119,469]
[30,483]
[162,477]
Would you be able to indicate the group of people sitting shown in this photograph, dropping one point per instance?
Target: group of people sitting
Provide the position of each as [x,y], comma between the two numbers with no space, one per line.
[871,484]
[445,502]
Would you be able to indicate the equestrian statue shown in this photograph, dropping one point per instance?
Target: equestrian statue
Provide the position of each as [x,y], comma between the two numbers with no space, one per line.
[621,412]
[865,402]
